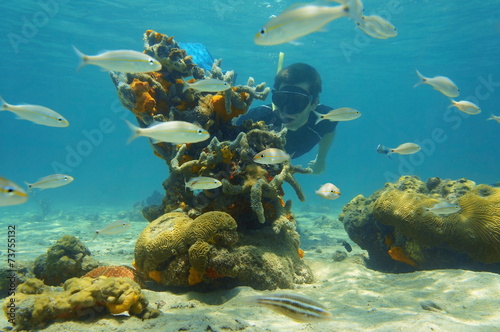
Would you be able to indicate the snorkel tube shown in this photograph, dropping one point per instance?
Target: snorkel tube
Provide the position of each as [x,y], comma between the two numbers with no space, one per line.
[280,65]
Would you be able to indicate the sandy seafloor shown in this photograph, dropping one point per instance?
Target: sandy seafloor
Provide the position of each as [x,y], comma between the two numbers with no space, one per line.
[360,299]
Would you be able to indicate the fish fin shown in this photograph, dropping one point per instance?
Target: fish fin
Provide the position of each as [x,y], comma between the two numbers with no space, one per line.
[135,131]
[452,103]
[318,114]
[83,58]
[295,43]
[3,104]
[29,185]
[421,77]
[186,85]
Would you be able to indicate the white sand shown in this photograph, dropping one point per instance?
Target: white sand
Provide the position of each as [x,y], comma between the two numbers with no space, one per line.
[360,299]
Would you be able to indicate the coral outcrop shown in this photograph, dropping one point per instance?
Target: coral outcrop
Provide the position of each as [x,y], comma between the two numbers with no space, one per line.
[36,305]
[175,250]
[251,195]
[122,271]
[394,225]
[67,258]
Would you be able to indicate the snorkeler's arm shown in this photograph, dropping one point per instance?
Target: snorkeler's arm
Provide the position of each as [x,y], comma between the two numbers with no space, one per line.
[323,147]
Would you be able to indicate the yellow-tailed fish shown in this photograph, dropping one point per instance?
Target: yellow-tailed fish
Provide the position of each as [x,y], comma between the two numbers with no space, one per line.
[377,27]
[443,208]
[298,307]
[202,183]
[125,61]
[328,191]
[177,132]
[339,114]
[494,117]
[271,156]
[439,83]
[466,106]
[207,85]
[11,193]
[116,227]
[51,181]
[298,21]
[405,148]
[38,114]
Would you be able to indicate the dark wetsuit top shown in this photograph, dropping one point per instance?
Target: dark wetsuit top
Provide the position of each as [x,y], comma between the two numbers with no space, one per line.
[300,141]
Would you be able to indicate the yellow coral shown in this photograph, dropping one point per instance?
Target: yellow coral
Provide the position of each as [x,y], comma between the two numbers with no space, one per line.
[125,301]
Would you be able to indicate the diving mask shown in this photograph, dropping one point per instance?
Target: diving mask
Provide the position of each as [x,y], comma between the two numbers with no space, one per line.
[291,99]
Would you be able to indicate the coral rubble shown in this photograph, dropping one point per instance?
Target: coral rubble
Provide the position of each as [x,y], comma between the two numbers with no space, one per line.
[251,194]
[67,258]
[36,305]
[399,232]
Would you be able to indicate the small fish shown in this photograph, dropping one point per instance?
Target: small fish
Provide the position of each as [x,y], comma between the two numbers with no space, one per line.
[202,183]
[207,85]
[297,21]
[443,209]
[38,114]
[298,307]
[116,227]
[339,114]
[466,106]
[328,191]
[405,148]
[377,27]
[51,181]
[11,193]
[124,61]
[177,132]
[439,83]
[346,245]
[494,117]
[271,156]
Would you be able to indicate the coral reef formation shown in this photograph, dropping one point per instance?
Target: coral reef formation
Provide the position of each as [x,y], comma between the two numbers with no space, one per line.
[67,258]
[37,305]
[399,232]
[251,194]
[175,250]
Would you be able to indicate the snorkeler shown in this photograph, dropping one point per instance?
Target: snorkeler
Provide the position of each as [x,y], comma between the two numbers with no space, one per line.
[295,96]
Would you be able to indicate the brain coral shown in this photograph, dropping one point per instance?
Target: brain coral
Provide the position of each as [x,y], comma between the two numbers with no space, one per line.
[474,230]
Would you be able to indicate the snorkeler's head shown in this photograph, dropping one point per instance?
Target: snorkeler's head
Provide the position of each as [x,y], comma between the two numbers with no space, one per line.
[299,73]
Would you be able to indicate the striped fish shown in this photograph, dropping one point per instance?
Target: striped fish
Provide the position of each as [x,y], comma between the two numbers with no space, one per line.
[297,307]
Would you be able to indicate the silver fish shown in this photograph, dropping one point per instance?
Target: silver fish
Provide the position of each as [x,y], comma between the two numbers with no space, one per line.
[171,132]
[439,83]
[377,27]
[443,208]
[11,193]
[298,307]
[339,114]
[466,106]
[116,227]
[203,183]
[51,181]
[328,191]
[207,85]
[35,113]
[125,61]
[271,156]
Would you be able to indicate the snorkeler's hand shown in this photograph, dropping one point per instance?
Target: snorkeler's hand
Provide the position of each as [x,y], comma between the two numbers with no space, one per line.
[317,168]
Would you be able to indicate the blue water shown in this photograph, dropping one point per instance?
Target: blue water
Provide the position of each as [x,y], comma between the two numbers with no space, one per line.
[454,38]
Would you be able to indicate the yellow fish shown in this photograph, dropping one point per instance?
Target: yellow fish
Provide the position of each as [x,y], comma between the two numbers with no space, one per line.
[11,193]
[439,83]
[339,114]
[377,27]
[38,114]
[115,227]
[207,85]
[298,21]
[124,61]
[466,106]
[51,181]
[177,132]
[494,117]
[271,156]
[405,148]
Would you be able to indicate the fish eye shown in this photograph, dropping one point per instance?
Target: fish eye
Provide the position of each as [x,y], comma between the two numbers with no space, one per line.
[262,31]
[200,131]
[151,62]
[65,178]
[59,119]
[10,190]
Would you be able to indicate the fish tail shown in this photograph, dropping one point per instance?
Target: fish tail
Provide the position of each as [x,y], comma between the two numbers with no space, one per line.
[135,131]
[83,58]
[3,104]
[421,77]
[319,117]
[186,85]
